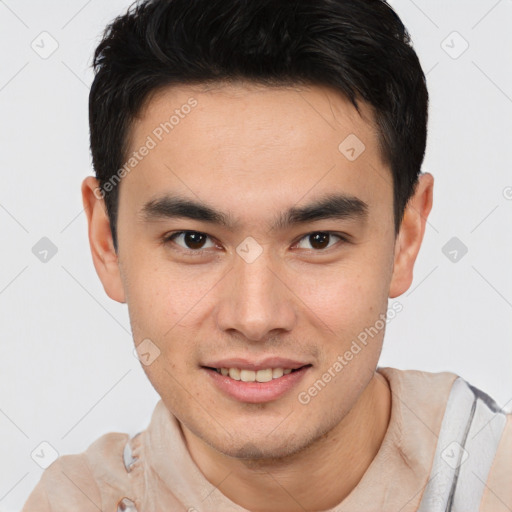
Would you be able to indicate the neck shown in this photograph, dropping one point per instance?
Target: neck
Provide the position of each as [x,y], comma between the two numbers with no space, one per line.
[319,477]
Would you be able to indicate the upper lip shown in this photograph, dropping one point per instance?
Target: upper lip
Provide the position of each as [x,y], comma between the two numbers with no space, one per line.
[262,364]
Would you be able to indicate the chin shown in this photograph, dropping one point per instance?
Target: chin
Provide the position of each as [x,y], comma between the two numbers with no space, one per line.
[265,447]
[259,451]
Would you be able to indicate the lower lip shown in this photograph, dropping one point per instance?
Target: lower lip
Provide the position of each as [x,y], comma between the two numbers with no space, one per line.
[257,392]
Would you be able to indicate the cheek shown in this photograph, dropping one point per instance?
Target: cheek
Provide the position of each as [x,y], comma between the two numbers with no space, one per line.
[159,295]
[344,297]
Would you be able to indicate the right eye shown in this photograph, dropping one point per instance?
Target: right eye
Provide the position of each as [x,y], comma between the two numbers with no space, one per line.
[191,241]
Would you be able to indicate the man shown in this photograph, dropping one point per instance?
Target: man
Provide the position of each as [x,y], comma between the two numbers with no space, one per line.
[258,199]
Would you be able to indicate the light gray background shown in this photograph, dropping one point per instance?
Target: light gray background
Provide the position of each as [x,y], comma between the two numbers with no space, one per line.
[67,370]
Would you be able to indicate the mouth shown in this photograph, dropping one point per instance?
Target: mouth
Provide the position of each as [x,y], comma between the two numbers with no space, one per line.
[255,385]
[264,375]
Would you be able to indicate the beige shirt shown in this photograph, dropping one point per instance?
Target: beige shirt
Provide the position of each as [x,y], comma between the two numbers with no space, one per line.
[159,474]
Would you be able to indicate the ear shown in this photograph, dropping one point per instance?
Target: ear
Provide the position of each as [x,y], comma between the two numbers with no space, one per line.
[100,239]
[409,239]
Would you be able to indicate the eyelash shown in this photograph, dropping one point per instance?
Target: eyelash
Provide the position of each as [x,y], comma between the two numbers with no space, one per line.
[198,252]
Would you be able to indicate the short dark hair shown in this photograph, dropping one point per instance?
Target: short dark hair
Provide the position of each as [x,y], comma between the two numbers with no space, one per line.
[358,47]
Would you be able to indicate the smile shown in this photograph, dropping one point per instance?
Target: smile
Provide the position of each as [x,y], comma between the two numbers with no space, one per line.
[255,376]
[258,385]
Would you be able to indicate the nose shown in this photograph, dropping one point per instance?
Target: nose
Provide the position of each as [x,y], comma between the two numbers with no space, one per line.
[256,299]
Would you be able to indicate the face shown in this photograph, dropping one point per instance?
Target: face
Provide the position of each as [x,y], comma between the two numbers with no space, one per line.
[278,279]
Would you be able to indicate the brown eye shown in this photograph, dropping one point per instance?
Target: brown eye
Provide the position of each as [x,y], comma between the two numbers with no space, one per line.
[191,240]
[194,240]
[320,240]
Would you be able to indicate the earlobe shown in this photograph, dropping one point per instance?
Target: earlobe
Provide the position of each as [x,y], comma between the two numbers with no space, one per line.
[103,253]
[411,234]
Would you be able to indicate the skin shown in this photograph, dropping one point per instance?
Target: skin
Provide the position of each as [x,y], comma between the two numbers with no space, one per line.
[253,152]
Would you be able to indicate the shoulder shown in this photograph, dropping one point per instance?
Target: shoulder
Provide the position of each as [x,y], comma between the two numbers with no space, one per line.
[418,379]
[88,481]
[424,392]
[498,491]
[472,463]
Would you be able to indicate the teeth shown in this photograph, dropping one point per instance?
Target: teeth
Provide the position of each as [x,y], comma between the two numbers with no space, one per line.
[247,375]
[264,375]
[254,376]
[277,372]
[234,373]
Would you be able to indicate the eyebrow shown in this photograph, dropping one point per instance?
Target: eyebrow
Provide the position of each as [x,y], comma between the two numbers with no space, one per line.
[330,206]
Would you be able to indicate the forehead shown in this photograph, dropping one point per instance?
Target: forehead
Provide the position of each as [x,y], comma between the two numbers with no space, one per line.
[253,145]
[249,114]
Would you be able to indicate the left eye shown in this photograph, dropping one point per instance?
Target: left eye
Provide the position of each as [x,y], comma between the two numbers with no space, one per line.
[320,240]
[194,241]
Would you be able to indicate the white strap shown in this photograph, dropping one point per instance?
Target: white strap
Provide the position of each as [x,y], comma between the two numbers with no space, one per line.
[128,457]
[481,444]
[470,432]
